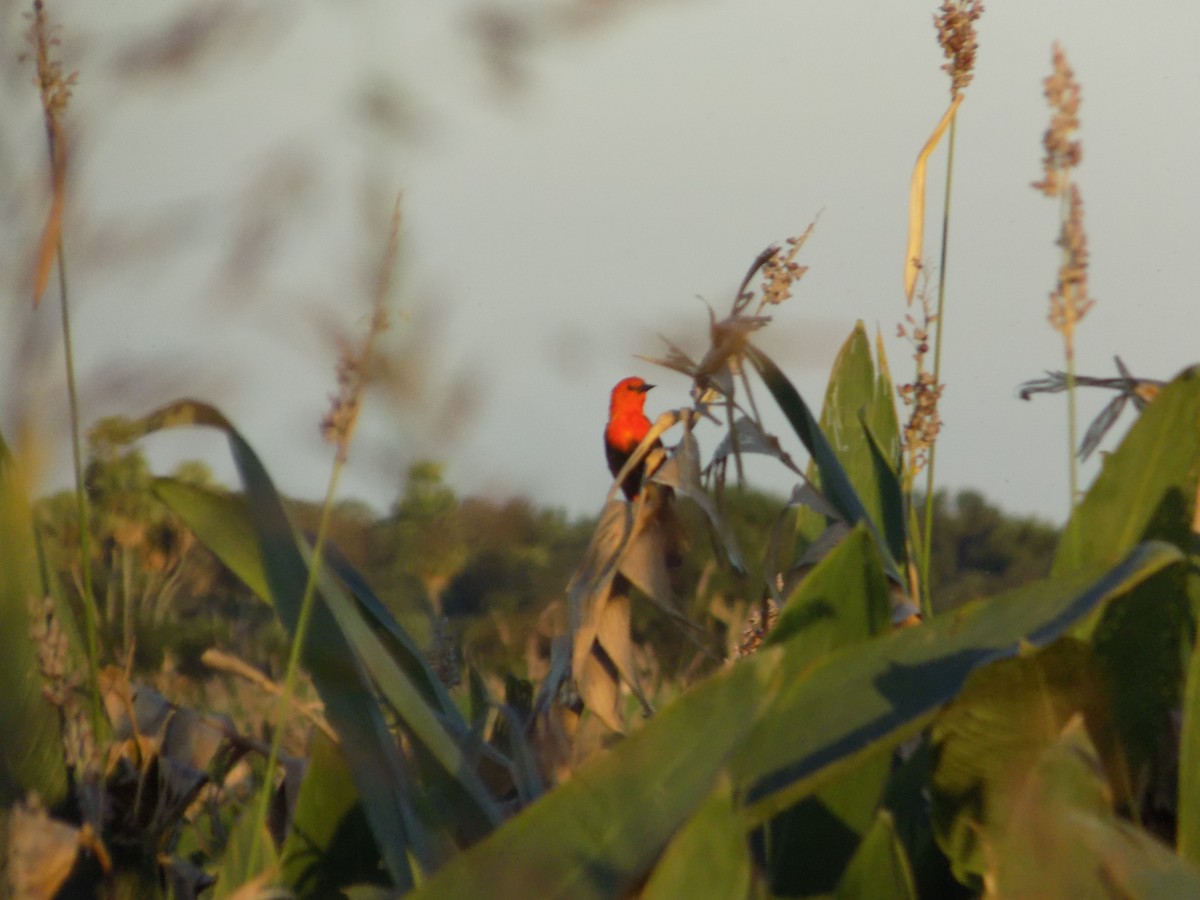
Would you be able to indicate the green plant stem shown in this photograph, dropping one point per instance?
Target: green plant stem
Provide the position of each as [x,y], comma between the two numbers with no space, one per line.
[927,542]
[91,615]
[293,667]
[1069,351]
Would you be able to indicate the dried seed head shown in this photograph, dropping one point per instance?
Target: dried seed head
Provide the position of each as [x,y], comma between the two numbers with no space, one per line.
[955,24]
[1063,151]
[354,363]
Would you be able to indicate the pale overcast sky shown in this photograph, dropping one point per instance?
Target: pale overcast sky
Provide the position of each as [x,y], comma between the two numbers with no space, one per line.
[555,225]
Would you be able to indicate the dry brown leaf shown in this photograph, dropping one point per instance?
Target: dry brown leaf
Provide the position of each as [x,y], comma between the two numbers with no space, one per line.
[41,852]
[916,202]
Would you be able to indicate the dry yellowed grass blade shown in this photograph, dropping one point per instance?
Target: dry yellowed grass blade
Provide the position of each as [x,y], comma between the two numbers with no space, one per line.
[916,202]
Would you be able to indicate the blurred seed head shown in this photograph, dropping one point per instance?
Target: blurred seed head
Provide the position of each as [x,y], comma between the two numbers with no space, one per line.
[955,24]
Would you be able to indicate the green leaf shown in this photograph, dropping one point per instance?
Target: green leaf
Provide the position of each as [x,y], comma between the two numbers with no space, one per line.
[1147,487]
[1063,839]
[994,732]
[599,833]
[841,602]
[329,845]
[835,483]
[247,860]
[884,691]
[342,648]
[31,759]
[859,403]
[1145,490]
[222,523]
[394,662]
[708,857]
[780,735]
[880,868]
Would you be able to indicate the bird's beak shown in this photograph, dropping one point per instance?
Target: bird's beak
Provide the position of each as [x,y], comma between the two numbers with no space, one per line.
[644,388]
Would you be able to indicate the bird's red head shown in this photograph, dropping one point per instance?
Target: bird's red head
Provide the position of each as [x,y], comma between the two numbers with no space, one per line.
[629,396]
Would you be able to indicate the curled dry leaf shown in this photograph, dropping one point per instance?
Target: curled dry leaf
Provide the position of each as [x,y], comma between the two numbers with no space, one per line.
[916,202]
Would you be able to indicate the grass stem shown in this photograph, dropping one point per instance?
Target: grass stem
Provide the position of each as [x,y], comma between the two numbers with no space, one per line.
[927,541]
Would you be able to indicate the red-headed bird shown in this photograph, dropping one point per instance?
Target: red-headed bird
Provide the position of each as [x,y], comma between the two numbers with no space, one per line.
[627,426]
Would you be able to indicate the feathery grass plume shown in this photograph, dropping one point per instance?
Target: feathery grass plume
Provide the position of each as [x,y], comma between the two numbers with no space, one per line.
[354,363]
[55,90]
[1069,301]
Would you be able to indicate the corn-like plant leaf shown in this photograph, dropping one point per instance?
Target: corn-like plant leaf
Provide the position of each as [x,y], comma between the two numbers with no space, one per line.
[879,869]
[1146,490]
[1147,486]
[843,601]
[1188,804]
[991,737]
[600,832]
[222,523]
[884,691]
[859,420]
[835,482]
[393,660]
[31,758]
[1063,839]
[329,845]
[708,857]
[346,659]
[779,734]
[248,863]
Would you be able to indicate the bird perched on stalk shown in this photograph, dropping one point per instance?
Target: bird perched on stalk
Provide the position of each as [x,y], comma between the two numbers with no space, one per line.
[627,426]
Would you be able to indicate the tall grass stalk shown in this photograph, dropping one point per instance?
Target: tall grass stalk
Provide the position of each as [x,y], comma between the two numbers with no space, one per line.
[55,93]
[337,427]
[284,701]
[1069,301]
[927,538]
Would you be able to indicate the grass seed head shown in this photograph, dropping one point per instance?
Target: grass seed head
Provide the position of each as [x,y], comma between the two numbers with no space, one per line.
[955,24]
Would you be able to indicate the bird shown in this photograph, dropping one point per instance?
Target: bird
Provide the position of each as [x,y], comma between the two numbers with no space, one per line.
[627,426]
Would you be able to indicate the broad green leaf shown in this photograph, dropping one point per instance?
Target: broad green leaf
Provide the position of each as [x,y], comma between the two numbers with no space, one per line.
[843,601]
[879,693]
[396,665]
[31,758]
[859,401]
[1147,487]
[1063,839]
[835,483]
[995,731]
[599,833]
[1145,490]
[781,735]
[879,869]
[339,673]
[247,861]
[222,523]
[708,857]
[329,844]
[859,420]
